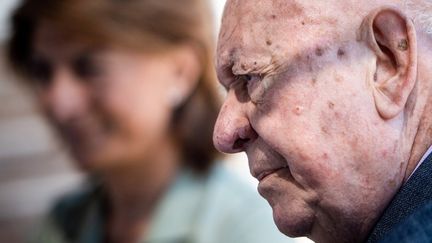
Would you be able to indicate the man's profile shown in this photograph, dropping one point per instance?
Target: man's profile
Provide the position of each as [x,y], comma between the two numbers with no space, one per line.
[332,103]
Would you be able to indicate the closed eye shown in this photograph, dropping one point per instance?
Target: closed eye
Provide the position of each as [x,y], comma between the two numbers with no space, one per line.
[252,85]
[243,77]
[248,78]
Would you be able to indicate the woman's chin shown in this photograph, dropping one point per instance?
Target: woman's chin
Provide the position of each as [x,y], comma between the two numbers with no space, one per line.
[90,161]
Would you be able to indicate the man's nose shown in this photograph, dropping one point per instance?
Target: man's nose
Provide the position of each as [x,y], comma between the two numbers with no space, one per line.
[233,131]
[66,97]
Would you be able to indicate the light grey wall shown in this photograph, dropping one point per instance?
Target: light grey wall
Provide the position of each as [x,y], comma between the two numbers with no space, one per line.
[6,6]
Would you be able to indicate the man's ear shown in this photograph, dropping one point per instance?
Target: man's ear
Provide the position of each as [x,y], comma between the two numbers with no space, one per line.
[392,37]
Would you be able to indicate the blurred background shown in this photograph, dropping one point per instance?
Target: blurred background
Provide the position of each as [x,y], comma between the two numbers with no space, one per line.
[34,170]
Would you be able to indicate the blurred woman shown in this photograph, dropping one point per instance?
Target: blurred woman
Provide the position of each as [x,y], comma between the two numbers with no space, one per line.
[129,86]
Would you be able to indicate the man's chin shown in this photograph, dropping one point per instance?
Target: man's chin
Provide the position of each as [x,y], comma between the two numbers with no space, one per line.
[291,222]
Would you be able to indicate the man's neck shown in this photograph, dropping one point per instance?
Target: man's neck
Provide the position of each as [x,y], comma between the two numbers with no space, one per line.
[134,191]
[428,152]
[419,122]
[423,138]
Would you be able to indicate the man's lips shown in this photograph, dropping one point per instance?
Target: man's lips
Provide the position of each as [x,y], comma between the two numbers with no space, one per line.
[266,173]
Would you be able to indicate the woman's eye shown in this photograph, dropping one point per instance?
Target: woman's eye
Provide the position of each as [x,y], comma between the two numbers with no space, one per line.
[253,86]
[86,67]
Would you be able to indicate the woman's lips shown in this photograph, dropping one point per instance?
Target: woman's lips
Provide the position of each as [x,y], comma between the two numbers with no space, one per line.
[261,176]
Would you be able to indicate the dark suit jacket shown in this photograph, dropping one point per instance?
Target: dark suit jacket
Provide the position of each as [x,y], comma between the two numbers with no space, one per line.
[403,210]
[417,228]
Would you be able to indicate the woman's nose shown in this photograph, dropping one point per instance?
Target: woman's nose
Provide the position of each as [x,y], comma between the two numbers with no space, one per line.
[233,132]
[66,97]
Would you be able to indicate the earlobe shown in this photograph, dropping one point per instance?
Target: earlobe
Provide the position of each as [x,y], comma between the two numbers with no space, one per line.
[391,36]
[185,75]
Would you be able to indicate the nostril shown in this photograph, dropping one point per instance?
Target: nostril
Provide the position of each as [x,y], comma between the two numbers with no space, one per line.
[240,143]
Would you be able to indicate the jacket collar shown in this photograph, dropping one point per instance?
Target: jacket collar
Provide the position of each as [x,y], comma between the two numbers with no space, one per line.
[416,192]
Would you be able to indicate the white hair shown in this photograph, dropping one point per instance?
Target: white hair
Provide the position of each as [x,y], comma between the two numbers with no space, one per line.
[421,13]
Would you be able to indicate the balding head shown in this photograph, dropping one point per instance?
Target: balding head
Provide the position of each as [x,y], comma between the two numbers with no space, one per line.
[327,99]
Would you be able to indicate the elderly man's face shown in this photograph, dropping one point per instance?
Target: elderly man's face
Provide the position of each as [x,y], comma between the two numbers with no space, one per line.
[300,105]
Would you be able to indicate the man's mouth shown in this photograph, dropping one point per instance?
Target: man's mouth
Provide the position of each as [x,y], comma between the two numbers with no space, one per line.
[261,176]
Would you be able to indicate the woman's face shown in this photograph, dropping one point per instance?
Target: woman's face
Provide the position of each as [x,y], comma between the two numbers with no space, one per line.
[111,106]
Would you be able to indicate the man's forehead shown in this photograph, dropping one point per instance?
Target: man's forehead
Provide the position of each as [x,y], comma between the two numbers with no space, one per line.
[241,15]
[282,27]
[269,30]
[284,7]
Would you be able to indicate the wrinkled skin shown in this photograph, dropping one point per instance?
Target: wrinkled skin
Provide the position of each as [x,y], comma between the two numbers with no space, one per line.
[302,104]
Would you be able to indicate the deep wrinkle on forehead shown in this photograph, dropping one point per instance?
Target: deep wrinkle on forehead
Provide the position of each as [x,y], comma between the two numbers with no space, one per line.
[309,60]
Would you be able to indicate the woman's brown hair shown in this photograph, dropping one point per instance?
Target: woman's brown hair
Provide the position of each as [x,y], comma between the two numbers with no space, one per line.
[148,25]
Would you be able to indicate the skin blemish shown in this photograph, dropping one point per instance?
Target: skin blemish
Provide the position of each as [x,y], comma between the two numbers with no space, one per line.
[319,51]
[331,105]
[298,110]
[340,52]
[325,156]
[243,66]
[401,166]
[303,23]
[324,130]
[392,183]
[314,81]
[273,16]
[269,42]
[403,45]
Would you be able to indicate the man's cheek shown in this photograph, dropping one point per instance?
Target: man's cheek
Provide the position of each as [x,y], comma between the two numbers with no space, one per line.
[313,168]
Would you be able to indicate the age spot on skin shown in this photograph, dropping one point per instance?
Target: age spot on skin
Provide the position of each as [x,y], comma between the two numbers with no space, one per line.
[340,52]
[338,79]
[325,156]
[319,51]
[403,45]
[324,129]
[331,105]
